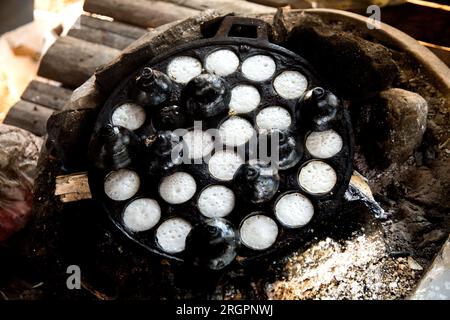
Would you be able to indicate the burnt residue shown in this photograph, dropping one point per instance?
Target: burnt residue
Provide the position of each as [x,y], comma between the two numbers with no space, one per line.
[170,117]
[164,154]
[283,143]
[70,141]
[321,106]
[113,148]
[256,183]
[212,244]
[152,88]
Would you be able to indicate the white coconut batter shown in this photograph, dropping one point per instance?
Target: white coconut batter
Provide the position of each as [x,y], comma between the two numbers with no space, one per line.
[294,210]
[224,164]
[324,144]
[290,84]
[236,131]
[129,115]
[244,98]
[141,214]
[258,232]
[273,118]
[222,62]
[216,201]
[177,188]
[198,144]
[182,69]
[317,177]
[258,68]
[171,235]
[121,184]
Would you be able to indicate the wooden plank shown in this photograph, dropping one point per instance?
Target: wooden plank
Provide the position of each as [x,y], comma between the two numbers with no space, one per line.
[243,7]
[29,116]
[422,23]
[116,27]
[73,187]
[72,61]
[102,37]
[46,95]
[143,13]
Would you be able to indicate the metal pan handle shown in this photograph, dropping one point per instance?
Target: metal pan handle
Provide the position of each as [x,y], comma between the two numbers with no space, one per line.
[255,28]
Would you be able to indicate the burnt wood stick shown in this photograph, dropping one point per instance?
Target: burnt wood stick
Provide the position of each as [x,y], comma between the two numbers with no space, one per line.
[116,27]
[29,116]
[143,13]
[98,36]
[72,61]
[73,187]
[46,95]
[242,7]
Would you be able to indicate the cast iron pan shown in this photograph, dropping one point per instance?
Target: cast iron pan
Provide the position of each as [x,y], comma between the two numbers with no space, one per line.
[245,37]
